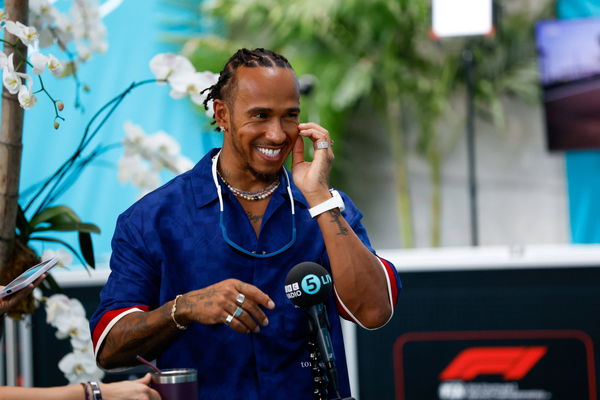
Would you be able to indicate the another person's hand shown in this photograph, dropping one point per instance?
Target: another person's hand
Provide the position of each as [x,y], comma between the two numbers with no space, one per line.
[7,303]
[129,390]
[229,298]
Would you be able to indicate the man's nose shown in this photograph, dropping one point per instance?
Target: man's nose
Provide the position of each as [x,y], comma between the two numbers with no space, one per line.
[275,132]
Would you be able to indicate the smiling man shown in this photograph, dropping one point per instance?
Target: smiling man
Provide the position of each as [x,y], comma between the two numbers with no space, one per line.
[198,266]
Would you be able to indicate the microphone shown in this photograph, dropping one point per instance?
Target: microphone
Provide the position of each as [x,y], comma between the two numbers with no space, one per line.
[308,285]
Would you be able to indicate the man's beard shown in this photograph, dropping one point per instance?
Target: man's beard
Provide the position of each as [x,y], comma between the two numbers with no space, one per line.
[262,176]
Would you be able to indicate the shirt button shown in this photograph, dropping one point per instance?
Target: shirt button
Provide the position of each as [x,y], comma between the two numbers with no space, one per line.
[264,252]
[253,251]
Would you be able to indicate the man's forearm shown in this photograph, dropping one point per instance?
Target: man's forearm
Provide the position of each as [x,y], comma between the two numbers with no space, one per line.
[138,333]
[359,279]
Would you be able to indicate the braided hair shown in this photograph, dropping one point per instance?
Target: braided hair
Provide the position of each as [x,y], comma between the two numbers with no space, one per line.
[259,57]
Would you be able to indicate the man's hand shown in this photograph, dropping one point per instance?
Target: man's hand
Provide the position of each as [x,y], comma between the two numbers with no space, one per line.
[213,304]
[312,178]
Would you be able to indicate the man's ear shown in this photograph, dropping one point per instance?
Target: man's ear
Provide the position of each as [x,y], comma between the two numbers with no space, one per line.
[221,114]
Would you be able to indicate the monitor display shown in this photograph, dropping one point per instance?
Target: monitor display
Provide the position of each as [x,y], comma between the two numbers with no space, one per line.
[569,65]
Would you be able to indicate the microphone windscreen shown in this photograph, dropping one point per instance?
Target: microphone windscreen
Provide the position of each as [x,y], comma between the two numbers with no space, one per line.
[308,284]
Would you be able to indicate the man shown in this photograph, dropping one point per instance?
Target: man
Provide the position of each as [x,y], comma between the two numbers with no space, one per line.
[204,258]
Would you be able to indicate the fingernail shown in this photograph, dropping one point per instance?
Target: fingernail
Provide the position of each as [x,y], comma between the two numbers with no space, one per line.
[266,322]
[270,304]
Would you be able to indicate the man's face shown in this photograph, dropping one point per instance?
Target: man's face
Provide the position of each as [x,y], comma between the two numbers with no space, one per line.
[262,120]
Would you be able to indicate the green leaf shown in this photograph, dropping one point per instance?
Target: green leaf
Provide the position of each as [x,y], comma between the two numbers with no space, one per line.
[87,248]
[355,84]
[67,245]
[54,215]
[22,224]
[70,227]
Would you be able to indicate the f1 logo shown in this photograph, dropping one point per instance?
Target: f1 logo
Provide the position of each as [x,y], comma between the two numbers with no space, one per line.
[512,362]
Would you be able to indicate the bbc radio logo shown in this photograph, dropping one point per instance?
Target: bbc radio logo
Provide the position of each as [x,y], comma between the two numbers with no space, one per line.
[511,363]
[293,290]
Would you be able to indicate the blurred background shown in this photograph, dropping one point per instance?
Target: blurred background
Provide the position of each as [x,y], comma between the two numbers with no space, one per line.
[467,132]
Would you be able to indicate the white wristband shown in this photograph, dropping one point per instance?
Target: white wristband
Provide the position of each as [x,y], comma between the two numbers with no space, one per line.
[335,201]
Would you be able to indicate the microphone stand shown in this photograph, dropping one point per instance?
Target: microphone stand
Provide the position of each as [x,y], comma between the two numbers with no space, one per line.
[318,325]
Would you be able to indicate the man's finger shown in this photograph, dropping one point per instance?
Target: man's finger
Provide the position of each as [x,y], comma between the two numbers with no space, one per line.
[252,310]
[256,295]
[237,326]
[298,151]
[247,316]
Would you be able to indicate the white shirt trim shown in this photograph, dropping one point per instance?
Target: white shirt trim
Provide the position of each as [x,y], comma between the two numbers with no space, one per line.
[109,327]
[389,289]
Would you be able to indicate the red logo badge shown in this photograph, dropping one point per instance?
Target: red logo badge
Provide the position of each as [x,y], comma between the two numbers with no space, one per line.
[512,362]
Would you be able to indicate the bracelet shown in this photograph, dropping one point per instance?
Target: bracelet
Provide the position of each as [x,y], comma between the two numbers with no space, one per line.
[335,201]
[173,310]
[86,392]
[96,395]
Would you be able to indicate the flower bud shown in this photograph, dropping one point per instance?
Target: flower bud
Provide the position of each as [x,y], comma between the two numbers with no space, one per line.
[60,106]
[56,124]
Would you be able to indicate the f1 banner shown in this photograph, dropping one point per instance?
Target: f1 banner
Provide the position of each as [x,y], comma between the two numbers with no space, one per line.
[495,365]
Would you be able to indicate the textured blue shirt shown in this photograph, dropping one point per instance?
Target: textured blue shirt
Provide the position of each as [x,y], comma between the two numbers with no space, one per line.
[170,242]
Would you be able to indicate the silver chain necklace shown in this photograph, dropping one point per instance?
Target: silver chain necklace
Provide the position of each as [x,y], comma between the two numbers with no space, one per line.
[252,195]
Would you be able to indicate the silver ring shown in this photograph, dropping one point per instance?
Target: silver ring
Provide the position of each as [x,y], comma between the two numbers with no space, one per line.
[238,311]
[228,319]
[240,298]
[322,145]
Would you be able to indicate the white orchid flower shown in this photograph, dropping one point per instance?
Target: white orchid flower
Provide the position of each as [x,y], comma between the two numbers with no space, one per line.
[26,98]
[183,164]
[42,10]
[129,166]
[80,367]
[64,257]
[46,38]
[55,66]
[60,310]
[27,34]
[39,62]
[63,27]
[164,65]
[210,109]
[11,81]
[192,84]
[3,60]
[160,143]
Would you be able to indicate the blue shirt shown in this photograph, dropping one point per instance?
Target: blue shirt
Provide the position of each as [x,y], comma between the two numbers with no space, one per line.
[170,242]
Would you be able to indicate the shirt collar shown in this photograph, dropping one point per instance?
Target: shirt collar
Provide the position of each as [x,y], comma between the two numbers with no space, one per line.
[204,190]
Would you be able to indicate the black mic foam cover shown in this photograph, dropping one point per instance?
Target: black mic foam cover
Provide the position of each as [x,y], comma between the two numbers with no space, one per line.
[308,284]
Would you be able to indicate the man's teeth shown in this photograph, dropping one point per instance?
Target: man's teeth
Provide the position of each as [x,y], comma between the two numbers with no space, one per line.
[269,152]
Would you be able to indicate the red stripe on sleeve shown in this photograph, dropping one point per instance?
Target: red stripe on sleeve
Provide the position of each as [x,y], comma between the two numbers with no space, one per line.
[393,282]
[341,310]
[109,316]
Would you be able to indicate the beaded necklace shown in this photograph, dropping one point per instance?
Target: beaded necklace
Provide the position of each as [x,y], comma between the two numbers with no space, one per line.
[252,196]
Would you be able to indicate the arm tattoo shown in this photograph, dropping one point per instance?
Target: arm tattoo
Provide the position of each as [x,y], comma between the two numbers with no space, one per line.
[336,218]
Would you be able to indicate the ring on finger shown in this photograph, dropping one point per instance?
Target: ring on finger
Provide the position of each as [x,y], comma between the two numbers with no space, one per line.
[240,298]
[228,319]
[322,145]
[238,311]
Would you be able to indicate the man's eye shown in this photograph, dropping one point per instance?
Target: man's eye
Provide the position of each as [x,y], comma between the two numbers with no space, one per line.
[293,115]
[260,115]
